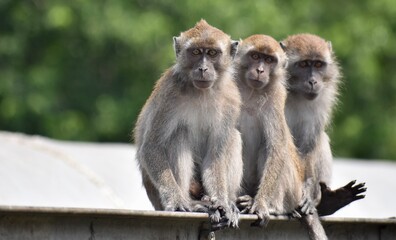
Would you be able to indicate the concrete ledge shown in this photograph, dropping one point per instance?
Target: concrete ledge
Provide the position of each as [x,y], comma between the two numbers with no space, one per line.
[69,223]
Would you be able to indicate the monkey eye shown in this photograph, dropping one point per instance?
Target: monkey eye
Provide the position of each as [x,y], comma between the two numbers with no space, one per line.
[196,52]
[255,56]
[303,64]
[212,52]
[318,64]
[269,59]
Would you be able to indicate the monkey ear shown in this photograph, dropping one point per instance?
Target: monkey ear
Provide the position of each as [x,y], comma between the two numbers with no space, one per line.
[176,45]
[234,48]
[283,46]
[329,45]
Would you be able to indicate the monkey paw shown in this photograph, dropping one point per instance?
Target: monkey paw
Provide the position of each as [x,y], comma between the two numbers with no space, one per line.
[244,203]
[178,206]
[261,210]
[223,215]
[306,207]
[333,200]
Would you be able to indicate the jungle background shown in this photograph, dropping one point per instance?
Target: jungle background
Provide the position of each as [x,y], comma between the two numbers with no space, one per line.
[82,69]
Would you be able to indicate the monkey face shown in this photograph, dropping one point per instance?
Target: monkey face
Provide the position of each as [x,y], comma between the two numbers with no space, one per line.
[307,77]
[202,64]
[311,64]
[258,69]
[203,54]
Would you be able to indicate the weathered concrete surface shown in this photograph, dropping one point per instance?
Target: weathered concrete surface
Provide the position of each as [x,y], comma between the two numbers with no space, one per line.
[62,224]
[37,171]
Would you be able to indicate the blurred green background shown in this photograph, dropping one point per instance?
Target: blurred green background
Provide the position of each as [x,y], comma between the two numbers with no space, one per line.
[82,69]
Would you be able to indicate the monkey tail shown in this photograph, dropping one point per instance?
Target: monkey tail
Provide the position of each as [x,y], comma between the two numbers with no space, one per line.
[314,227]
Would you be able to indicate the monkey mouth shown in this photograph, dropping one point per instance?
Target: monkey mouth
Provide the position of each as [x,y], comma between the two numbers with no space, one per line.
[202,84]
[256,83]
[311,95]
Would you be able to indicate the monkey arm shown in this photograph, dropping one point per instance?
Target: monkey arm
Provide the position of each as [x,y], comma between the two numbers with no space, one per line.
[167,161]
[278,162]
[215,180]
[154,162]
[269,186]
[310,197]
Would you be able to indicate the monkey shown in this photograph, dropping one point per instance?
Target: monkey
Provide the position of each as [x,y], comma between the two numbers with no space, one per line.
[273,174]
[187,130]
[313,82]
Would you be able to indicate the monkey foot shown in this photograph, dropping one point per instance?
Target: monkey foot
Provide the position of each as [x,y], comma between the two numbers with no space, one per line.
[333,200]
[223,216]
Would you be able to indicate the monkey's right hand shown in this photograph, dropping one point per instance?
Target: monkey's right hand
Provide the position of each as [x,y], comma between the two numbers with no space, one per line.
[180,205]
[260,208]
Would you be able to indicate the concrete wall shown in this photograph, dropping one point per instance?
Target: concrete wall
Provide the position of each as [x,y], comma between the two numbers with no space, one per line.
[91,224]
[42,172]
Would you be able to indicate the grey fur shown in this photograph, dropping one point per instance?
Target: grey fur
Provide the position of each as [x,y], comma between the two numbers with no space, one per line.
[309,118]
[187,131]
[274,175]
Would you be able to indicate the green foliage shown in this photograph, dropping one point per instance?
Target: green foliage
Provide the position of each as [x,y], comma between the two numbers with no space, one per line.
[82,69]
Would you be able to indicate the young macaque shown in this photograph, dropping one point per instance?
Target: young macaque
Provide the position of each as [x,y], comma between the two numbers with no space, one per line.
[274,176]
[312,85]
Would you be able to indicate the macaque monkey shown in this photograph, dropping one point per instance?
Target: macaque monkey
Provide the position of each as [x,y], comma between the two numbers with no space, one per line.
[274,177]
[187,131]
[314,76]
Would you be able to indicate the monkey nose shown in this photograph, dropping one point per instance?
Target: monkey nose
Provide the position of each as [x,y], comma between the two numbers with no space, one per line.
[203,69]
[312,82]
[260,70]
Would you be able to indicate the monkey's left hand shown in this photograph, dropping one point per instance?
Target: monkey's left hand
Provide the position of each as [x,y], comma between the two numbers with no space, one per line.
[260,208]
[307,204]
[333,200]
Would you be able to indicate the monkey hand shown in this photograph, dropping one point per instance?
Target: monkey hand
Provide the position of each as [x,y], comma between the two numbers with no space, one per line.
[223,214]
[333,200]
[306,207]
[260,208]
[179,205]
[244,203]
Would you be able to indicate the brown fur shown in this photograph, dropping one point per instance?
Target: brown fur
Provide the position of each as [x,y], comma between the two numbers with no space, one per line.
[263,43]
[307,46]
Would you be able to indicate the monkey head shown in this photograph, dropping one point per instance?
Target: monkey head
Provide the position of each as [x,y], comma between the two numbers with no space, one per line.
[203,54]
[311,64]
[261,60]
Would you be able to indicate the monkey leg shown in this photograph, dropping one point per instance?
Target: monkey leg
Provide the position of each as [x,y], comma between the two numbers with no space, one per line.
[333,200]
